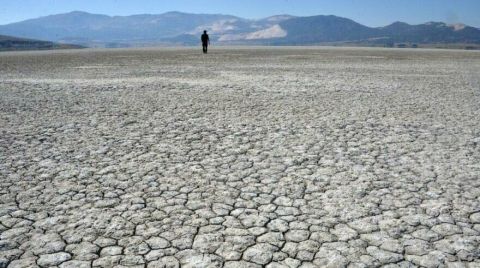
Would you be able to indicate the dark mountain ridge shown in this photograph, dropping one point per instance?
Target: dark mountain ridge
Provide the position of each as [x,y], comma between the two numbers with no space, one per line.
[11,43]
[432,32]
[319,29]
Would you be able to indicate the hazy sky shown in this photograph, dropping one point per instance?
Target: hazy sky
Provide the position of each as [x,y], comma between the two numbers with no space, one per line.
[368,12]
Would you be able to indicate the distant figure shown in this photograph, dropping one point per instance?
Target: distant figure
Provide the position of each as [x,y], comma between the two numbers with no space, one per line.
[205,41]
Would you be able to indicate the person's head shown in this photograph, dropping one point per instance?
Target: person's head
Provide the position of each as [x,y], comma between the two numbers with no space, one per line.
[205,32]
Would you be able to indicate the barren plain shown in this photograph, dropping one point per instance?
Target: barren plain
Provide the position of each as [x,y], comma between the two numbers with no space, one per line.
[245,157]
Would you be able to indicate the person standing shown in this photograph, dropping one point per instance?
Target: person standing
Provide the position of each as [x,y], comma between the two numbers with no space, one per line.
[205,42]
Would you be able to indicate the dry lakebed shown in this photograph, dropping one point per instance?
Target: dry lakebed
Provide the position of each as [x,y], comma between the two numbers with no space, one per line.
[245,157]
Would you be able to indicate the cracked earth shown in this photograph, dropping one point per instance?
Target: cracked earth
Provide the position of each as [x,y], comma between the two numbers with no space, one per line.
[254,157]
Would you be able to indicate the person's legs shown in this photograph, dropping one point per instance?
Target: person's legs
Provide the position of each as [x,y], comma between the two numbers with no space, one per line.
[205,48]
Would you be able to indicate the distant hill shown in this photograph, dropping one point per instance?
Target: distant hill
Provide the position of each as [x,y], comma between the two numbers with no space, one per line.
[85,28]
[10,43]
[320,29]
[176,28]
[331,29]
[431,32]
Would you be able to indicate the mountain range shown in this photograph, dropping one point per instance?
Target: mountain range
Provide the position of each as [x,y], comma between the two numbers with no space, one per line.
[176,28]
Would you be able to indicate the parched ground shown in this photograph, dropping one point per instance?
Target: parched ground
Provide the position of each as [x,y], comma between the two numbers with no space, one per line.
[253,157]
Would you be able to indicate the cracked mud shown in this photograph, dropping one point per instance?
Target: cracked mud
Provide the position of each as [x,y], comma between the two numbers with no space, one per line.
[285,157]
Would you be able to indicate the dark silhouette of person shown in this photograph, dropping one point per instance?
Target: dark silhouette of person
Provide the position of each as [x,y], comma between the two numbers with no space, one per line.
[205,42]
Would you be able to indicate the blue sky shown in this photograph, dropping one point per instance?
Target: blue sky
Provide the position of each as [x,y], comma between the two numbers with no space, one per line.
[368,12]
